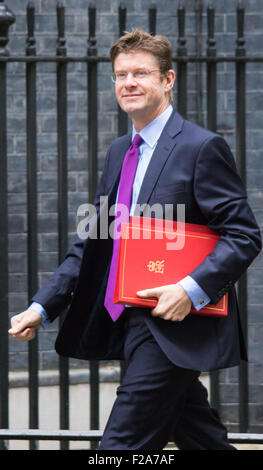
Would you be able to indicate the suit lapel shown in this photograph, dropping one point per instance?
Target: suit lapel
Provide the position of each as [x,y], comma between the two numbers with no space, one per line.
[119,155]
[165,145]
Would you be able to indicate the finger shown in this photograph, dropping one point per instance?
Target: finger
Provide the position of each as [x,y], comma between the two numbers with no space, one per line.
[26,335]
[155,313]
[22,335]
[148,293]
[163,315]
[14,324]
[16,328]
[158,311]
[162,306]
[19,324]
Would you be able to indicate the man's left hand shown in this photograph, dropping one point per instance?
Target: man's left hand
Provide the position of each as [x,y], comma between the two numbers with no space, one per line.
[173,301]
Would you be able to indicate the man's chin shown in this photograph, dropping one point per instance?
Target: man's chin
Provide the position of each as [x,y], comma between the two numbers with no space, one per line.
[132,110]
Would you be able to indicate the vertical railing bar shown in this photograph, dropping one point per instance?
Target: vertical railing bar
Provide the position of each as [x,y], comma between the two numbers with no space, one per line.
[62,201]
[92,107]
[181,66]
[152,19]
[32,258]
[211,72]
[94,399]
[122,116]
[7,17]
[212,125]
[92,186]
[241,166]
[122,125]
[199,67]
[4,358]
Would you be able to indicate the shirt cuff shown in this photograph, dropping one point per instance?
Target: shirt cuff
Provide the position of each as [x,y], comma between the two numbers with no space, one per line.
[39,309]
[199,298]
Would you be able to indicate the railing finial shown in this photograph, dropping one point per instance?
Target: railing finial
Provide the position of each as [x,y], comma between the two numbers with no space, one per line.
[211,27]
[61,41]
[122,19]
[92,27]
[181,24]
[30,40]
[152,19]
[240,27]
[7,17]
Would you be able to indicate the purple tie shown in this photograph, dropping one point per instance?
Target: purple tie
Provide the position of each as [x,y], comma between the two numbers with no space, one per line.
[124,197]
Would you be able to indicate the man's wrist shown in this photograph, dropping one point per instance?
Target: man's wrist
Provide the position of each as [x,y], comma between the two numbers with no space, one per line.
[40,309]
[197,295]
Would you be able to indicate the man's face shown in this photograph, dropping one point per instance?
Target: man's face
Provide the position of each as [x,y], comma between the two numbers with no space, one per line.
[142,99]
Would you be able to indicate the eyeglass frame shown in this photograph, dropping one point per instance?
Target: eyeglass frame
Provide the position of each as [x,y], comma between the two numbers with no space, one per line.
[147,73]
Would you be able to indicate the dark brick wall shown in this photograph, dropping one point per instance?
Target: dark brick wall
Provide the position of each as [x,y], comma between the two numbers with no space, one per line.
[107,31]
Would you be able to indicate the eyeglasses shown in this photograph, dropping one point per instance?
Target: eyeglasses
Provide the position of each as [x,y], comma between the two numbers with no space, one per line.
[138,75]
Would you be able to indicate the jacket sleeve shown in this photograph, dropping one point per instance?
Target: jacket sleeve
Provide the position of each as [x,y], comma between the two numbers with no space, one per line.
[222,198]
[57,293]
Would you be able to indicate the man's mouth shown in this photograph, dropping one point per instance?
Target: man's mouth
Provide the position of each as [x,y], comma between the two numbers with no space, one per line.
[131,95]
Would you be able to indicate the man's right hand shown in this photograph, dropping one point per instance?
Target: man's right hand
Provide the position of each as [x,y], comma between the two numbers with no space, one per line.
[24,325]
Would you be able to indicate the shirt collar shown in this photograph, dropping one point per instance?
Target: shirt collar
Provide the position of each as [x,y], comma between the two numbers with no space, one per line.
[151,133]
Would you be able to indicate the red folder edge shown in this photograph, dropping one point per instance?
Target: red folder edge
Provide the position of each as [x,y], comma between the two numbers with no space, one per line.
[218,310]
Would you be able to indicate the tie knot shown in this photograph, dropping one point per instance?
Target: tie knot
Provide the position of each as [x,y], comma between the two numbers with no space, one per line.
[137,140]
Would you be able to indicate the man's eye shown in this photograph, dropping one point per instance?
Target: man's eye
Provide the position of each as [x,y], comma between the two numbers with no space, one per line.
[140,74]
[121,75]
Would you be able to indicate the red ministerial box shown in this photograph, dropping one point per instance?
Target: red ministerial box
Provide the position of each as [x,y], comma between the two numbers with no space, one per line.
[156,252]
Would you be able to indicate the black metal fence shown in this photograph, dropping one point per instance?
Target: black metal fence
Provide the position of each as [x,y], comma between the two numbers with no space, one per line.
[181,60]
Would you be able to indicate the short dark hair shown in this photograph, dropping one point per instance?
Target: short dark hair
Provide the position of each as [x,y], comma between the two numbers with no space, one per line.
[138,40]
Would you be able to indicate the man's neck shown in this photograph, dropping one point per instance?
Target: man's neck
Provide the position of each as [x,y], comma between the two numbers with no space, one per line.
[142,121]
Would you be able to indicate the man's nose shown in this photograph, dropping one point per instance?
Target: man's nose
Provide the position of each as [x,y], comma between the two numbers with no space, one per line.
[130,80]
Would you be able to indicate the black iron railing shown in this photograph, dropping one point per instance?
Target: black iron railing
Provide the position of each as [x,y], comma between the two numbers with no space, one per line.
[63,435]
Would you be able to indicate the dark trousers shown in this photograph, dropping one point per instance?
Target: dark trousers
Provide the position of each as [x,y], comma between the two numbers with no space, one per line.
[159,401]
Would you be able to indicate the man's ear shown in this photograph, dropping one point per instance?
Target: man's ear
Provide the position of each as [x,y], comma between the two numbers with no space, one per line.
[170,79]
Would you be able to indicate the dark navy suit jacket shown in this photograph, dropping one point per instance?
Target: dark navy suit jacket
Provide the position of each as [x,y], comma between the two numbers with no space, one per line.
[190,166]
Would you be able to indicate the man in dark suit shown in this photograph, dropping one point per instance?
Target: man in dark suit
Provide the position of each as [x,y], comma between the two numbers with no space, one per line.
[165,348]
